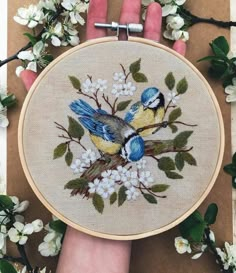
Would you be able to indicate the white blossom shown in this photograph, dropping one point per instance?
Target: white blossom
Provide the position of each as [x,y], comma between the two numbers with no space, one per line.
[117,89]
[89,86]
[129,89]
[93,186]
[130,179]
[141,164]
[89,157]
[31,16]
[75,7]
[119,77]
[132,193]
[169,9]
[145,178]
[175,22]
[70,35]
[3,235]
[48,5]
[106,187]
[18,233]
[182,245]
[23,270]
[78,166]
[147,2]
[173,97]
[230,90]
[38,225]
[19,206]
[54,33]
[199,254]
[4,122]
[101,85]
[175,35]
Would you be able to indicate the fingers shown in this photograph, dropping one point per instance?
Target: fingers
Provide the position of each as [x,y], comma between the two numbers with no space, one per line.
[152,27]
[180,47]
[130,13]
[28,77]
[97,13]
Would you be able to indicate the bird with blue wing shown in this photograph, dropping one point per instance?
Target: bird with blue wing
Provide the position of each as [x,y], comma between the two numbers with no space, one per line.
[110,134]
[149,110]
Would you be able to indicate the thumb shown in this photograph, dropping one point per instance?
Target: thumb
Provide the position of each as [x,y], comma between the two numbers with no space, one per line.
[28,77]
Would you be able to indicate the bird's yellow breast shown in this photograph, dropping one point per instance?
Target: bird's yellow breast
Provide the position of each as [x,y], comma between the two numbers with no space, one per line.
[104,146]
[147,117]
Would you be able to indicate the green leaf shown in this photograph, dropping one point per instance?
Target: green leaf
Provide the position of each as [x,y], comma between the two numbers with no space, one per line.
[234,182]
[75,129]
[230,169]
[123,105]
[175,114]
[159,148]
[6,202]
[179,161]
[58,226]
[9,100]
[60,150]
[211,214]
[48,58]
[139,77]
[234,159]
[159,187]
[173,175]
[78,183]
[150,198]
[75,82]
[197,232]
[189,159]
[69,158]
[166,164]
[98,203]
[6,267]
[218,69]
[170,81]
[135,67]
[209,58]
[182,86]
[113,198]
[173,128]
[182,139]
[32,38]
[222,44]
[122,195]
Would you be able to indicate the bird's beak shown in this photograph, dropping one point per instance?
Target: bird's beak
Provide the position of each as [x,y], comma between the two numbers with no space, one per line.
[145,108]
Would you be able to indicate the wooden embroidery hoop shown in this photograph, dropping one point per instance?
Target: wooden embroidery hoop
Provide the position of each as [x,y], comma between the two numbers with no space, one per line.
[62,216]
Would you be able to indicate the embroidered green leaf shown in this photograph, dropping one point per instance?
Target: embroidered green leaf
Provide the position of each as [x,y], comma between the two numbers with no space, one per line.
[150,198]
[78,183]
[69,158]
[6,267]
[159,148]
[6,202]
[159,187]
[113,198]
[189,159]
[170,81]
[179,161]
[139,77]
[175,114]
[58,226]
[230,169]
[32,39]
[135,67]
[60,150]
[166,164]
[123,105]
[182,86]
[173,175]
[75,129]
[182,139]
[211,214]
[122,195]
[173,128]
[75,82]
[98,203]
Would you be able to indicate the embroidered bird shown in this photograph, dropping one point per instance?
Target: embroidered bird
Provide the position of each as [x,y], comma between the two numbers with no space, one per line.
[110,134]
[150,110]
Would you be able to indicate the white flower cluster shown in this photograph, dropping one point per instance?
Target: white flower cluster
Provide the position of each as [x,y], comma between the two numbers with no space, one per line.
[121,87]
[230,90]
[182,245]
[228,256]
[90,86]
[51,244]
[173,97]
[81,164]
[110,179]
[4,122]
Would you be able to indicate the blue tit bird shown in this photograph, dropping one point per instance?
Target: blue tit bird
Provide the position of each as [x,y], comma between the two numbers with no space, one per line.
[150,110]
[110,134]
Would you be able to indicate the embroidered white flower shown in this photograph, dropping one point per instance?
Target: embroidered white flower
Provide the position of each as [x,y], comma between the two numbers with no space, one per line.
[89,86]
[106,187]
[78,166]
[89,157]
[173,97]
[230,90]
[129,89]
[141,164]
[54,33]
[101,85]
[145,178]
[117,89]
[130,179]
[51,244]
[93,186]
[19,233]
[132,193]
[119,77]
[175,22]
[31,16]
[182,245]
[75,7]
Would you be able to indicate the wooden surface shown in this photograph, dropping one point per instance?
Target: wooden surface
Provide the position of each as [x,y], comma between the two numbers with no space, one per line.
[155,254]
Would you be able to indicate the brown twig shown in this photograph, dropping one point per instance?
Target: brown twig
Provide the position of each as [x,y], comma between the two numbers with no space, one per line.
[152,193]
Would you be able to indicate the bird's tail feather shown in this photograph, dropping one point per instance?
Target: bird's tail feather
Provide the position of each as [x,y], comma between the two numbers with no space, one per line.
[82,108]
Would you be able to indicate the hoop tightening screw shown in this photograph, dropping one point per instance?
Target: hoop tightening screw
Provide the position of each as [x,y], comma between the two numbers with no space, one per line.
[114,26]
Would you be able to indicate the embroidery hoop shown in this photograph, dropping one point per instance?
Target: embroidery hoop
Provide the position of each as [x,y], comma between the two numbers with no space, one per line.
[61,215]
